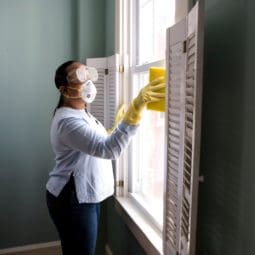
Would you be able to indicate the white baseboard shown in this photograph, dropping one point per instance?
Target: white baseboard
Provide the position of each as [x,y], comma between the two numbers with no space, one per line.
[30,247]
[108,250]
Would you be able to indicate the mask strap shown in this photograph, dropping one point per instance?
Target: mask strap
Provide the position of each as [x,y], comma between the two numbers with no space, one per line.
[71,97]
[71,88]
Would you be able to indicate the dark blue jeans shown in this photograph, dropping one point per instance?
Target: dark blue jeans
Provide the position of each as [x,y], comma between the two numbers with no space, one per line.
[77,224]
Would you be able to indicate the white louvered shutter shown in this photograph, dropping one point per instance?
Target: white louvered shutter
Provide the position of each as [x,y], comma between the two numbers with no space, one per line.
[98,107]
[112,88]
[113,101]
[184,94]
[107,101]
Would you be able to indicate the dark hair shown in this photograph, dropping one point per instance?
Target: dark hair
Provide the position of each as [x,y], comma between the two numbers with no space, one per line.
[61,79]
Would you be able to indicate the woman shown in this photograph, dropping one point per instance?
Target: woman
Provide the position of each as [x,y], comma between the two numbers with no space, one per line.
[82,177]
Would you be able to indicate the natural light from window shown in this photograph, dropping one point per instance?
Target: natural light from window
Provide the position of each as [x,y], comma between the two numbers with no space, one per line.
[153,17]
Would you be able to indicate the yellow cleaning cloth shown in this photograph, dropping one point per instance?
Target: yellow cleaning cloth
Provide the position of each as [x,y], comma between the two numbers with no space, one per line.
[154,73]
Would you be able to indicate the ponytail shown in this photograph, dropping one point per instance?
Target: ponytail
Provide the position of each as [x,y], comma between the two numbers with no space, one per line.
[61,80]
[60,104]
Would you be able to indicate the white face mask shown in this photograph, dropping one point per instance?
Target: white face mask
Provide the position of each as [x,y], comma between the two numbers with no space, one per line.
[88,92]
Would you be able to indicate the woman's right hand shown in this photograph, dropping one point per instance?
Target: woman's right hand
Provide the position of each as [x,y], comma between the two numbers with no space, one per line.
[152,92]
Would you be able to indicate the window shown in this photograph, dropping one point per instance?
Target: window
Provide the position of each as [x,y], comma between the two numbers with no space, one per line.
[153,163]
[150,18]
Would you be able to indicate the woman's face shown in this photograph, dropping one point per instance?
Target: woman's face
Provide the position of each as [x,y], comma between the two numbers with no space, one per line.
[78,87]
[72,82]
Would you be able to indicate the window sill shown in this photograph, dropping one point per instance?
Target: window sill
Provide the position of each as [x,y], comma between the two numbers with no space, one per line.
[149,237]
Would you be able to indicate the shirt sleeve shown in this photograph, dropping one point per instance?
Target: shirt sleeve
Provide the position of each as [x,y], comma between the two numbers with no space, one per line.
[79,135]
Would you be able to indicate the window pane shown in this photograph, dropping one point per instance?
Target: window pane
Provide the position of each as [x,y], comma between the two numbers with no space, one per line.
[148,157]
[154,17]
[145,31]
[148,146]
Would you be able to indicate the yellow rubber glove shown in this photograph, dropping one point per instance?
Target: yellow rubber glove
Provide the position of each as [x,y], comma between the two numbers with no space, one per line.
[118,117]
[148,94]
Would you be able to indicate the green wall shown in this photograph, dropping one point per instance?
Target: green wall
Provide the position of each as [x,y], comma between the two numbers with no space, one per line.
[91,15]
[226,205]
[110,28]
[36,36]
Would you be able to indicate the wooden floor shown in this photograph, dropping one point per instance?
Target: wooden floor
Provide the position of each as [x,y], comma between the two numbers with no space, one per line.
[42,251]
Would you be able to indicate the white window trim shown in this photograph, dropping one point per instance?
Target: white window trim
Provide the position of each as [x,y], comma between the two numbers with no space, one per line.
[149,236]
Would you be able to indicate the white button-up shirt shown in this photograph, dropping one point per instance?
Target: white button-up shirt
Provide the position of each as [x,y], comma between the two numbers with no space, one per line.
[83,148]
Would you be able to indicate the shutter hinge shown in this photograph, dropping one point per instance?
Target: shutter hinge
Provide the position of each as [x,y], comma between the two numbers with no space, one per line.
[121,68]
[201,178]
[120,183]
[106,71]
[185,46]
